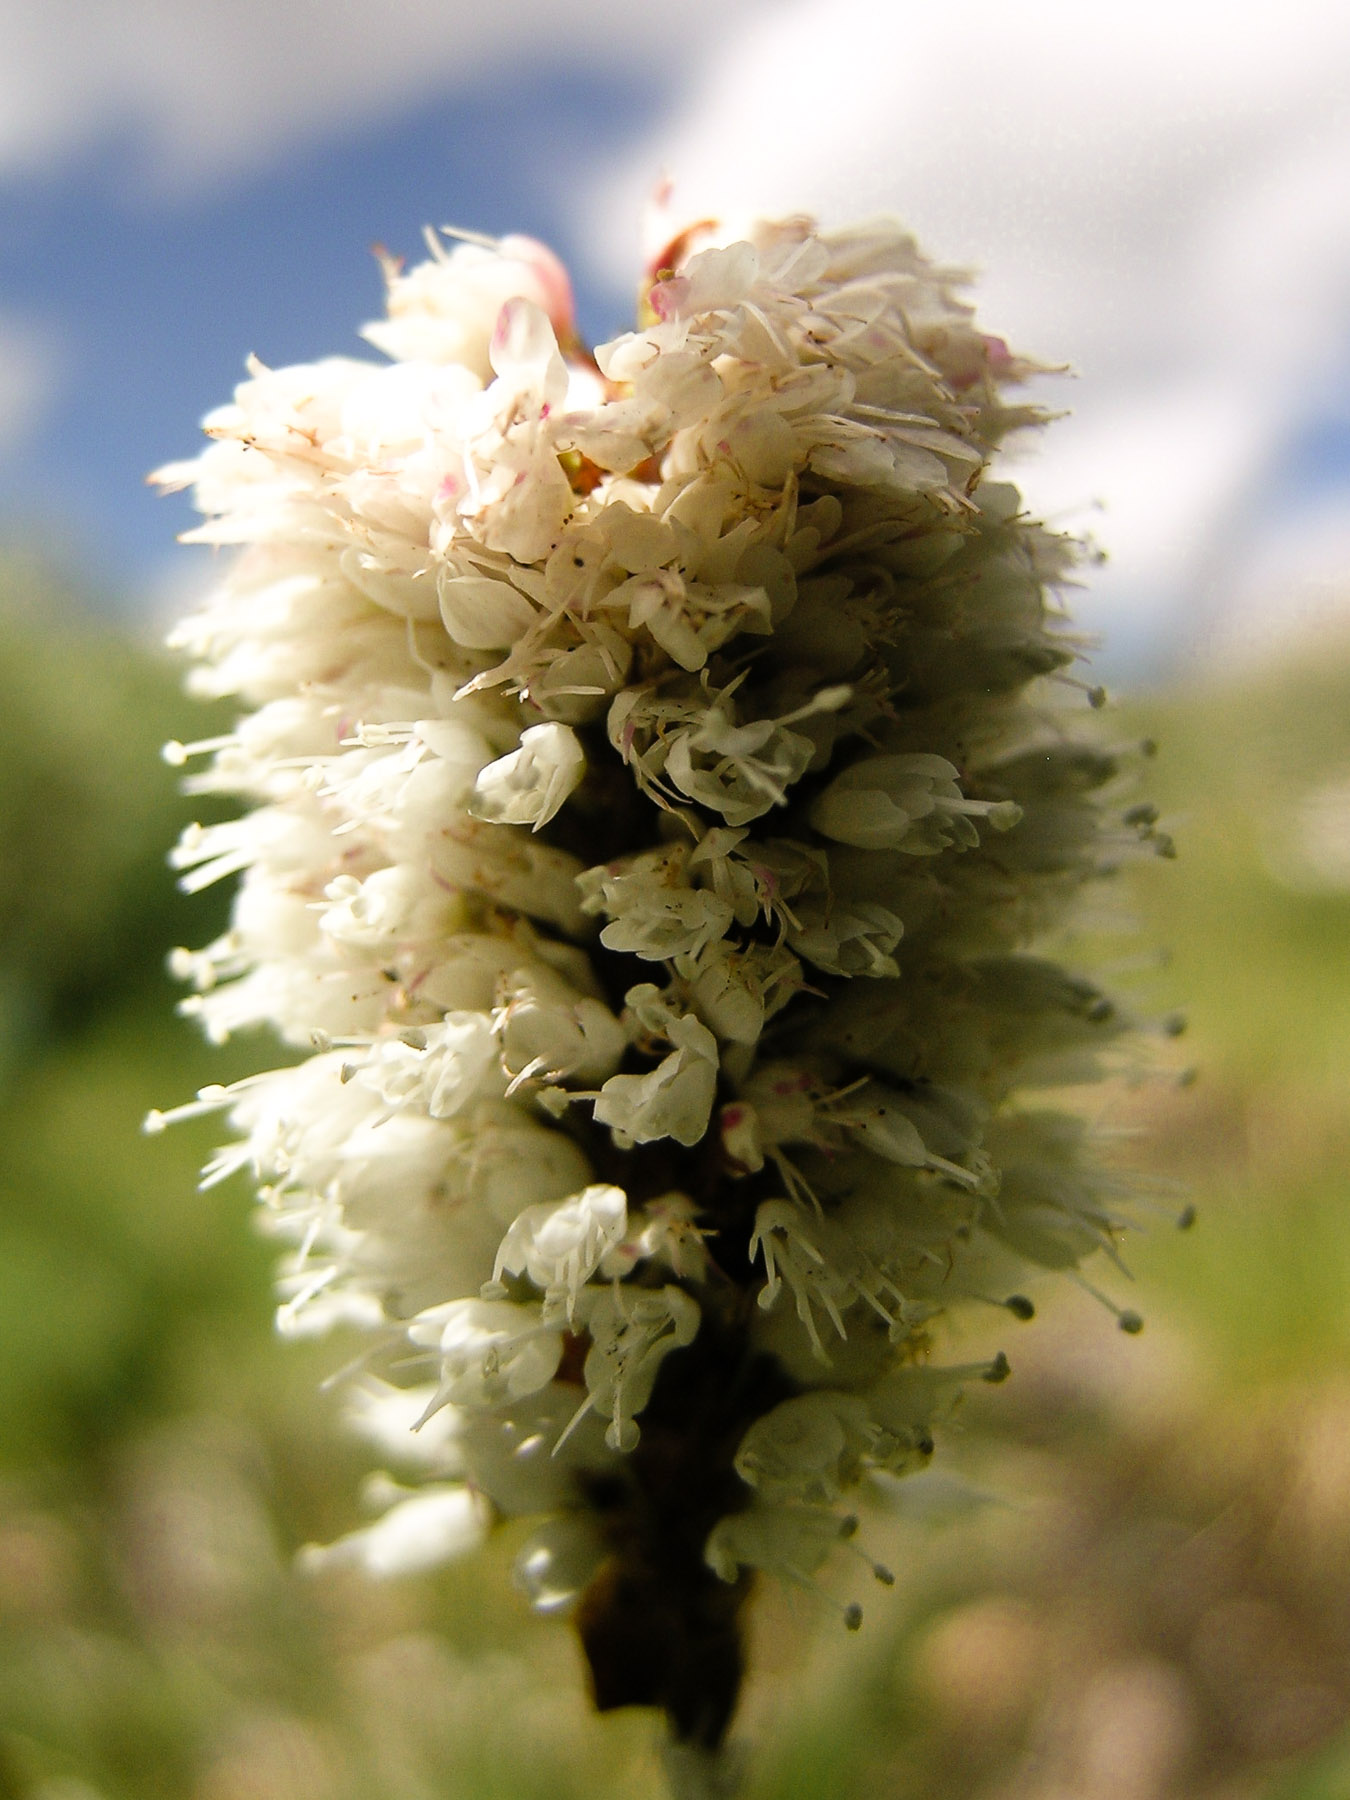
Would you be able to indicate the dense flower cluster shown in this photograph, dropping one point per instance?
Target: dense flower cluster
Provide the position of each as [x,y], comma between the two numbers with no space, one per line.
[656,799]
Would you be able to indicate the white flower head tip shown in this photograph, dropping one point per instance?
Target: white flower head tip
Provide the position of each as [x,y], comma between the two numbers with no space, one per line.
[445,311]
[524,351]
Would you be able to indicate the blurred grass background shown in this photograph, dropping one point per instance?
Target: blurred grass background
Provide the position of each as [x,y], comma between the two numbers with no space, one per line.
[1137,1582]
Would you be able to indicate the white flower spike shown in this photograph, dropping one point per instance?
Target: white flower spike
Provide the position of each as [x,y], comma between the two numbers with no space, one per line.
[659,796]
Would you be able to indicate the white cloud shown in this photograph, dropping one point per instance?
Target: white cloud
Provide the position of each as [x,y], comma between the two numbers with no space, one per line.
[217,85]
[1157,196]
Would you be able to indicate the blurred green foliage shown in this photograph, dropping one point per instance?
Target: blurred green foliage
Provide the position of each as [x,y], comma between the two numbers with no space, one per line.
[1260,948]
[86,810]
[161,1456]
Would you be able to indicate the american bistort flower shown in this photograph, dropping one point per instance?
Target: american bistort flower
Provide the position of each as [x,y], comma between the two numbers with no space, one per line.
[661,778]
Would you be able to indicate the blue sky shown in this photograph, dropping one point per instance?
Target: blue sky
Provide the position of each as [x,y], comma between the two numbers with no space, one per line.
[153,300]
[1157,199]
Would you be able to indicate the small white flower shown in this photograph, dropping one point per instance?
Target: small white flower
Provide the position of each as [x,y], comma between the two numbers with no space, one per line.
[489,1350]
[848,938]
[807,1449]
[739,771]
[550,1031]
[787,1239]
[388,908]
[443,1068]
[560,1246]
[528,786]
[737,990]
[632,1332]
[909,803]
[674,1099]
[788,1541]
[652,912]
